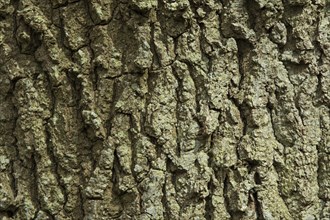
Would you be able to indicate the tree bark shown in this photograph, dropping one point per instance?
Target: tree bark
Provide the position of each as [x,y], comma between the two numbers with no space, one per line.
[188,109]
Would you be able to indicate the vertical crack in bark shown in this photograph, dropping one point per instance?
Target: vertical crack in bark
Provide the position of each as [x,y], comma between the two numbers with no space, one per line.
[321,151]
[132,138]
[198,95]
[115,97]
[155,57]
[270,112]
[209,208]
[225,196]
[62,34]
[16,150]
[164,200]
[178,93]
[15,3]
[242,46]
[93,68]
[34,184]
[240,56]
[319,92]
[322,214]
[81,203]
[258,207]
[116,171]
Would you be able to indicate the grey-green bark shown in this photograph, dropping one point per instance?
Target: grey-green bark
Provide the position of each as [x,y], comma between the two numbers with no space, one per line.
[188,109]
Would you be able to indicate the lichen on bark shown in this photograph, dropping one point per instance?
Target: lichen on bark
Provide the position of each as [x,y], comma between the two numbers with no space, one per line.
[189,109]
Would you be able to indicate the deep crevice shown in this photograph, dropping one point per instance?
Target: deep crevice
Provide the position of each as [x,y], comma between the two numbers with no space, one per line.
[209,208]
[258,207]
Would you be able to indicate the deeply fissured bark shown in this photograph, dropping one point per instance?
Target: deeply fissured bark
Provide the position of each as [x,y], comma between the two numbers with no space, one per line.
[164,109]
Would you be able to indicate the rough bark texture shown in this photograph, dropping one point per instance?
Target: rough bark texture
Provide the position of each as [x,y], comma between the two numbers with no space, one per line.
[161,109]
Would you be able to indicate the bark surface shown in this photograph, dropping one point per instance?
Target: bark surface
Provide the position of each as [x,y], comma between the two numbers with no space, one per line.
[163,109]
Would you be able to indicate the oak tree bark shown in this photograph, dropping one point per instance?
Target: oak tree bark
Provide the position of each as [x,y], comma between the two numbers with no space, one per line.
[163,109]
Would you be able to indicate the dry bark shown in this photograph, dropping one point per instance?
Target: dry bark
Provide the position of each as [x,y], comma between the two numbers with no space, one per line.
[188,109]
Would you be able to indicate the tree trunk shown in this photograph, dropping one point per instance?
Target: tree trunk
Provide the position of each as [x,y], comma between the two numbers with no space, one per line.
[167,109]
